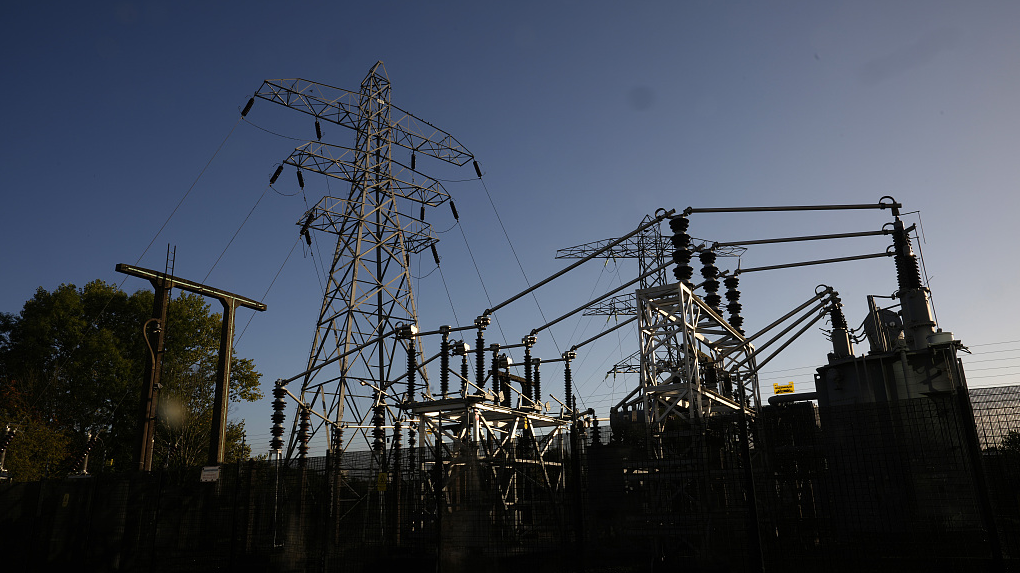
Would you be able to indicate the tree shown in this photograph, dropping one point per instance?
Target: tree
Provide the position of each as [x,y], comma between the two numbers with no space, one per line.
[75,359]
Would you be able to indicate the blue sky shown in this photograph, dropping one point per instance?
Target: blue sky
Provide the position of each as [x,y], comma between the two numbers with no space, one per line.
[584,116]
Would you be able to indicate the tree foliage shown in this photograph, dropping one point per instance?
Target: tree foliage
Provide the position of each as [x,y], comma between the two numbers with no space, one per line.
[72,363]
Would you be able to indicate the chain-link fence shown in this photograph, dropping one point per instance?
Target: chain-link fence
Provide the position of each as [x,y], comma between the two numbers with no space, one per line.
[926,484]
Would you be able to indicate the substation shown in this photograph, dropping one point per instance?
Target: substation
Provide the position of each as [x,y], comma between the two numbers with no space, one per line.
[425,447]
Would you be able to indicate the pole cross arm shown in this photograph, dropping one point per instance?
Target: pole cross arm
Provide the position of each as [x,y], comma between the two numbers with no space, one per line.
[170,281]
[340,106]
[340,162]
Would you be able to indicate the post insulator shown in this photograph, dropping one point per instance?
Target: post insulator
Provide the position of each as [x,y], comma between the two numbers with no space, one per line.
[908,274]
[378,433]
[711,274]
[682,255]
[480,359]
[836,314]
[398,437]
[528,341]
[338,439]
[733,295]
[537,390]
[464,371]
[303,435]
[412,368]
[278,417]
[444,362]
[568,389]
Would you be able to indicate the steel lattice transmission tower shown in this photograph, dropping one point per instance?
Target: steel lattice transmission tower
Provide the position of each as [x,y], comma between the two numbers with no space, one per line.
[368,294]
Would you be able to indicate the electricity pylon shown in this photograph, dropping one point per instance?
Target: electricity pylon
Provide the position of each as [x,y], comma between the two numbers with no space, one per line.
[368,292]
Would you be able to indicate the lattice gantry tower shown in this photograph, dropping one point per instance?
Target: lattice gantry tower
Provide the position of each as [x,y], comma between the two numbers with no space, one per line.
[368,292]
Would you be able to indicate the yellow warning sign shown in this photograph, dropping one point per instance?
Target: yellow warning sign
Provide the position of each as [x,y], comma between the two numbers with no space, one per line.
[380,483]
[782,388]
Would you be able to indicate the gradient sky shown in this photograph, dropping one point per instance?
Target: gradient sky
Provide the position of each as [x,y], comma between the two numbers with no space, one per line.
[584,115]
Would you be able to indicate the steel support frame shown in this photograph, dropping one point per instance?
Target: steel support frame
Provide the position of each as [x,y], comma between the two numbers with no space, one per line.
[492,434]
[679,337]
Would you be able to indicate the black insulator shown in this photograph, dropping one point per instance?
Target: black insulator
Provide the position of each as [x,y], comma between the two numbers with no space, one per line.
[454,209]
[527,371]
[435,254]
[444,365]
[679,224]
[733,295]
[537,388]
[378,434]
[303,427]
[421,215]
[596,434]
[300,179]
[279,404]
[908,274]
[480,360]
[715,301]
[837,316]
[276,175]
[711,284]
[247,107]
[307,236]
[318,130]
[683,273]
[496,387]
[412,160]
[478,169]
[568,389]
[680,240]
[412,368]
[681,256]
[737,321]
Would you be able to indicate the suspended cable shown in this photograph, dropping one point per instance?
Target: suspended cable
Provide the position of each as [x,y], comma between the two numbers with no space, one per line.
[273,282]
[188,192]
[231,241]
[272,132]
[516,258]
[488,299]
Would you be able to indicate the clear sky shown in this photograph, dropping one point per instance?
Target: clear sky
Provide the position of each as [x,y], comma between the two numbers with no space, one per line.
[584,115]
